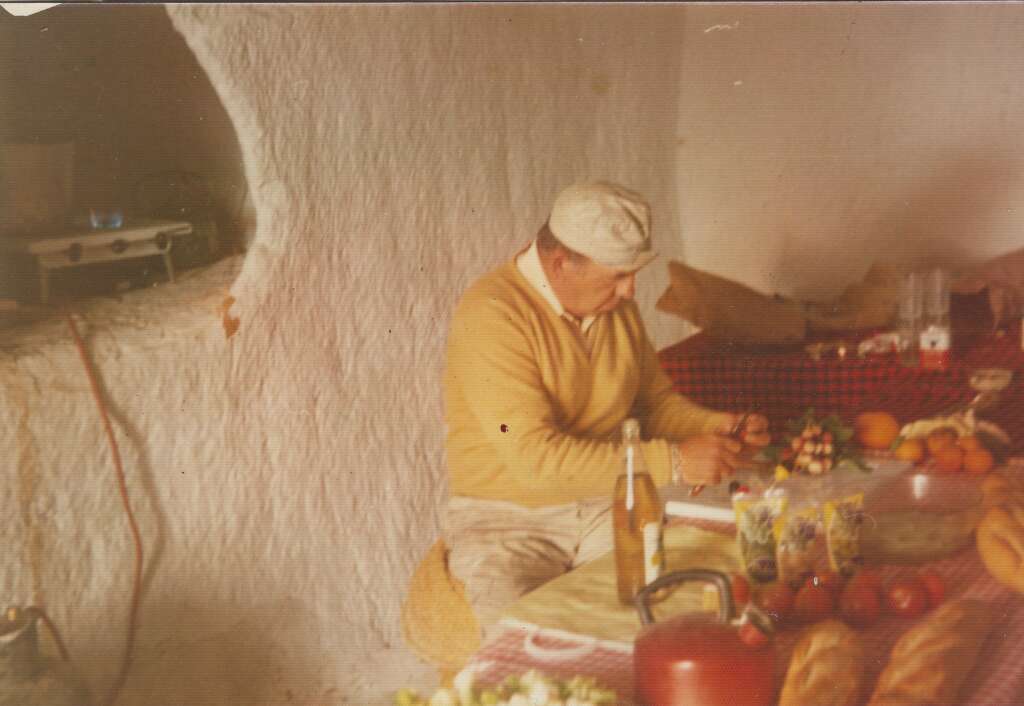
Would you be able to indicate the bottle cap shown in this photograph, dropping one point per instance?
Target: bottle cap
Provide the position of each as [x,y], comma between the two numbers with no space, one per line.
[631,429]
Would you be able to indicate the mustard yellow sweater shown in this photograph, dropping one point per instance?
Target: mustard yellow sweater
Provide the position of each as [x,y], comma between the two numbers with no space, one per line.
[533,417]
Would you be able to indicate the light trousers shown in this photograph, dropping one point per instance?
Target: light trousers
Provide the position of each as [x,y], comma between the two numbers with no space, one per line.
[501,550]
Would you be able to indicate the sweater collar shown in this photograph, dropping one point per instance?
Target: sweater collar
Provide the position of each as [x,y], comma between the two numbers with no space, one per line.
[528,263]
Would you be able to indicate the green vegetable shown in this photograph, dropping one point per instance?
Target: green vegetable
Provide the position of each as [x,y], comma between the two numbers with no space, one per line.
[842,436]
[531,687]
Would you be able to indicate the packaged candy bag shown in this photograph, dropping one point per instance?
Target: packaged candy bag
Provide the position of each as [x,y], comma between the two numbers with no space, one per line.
[800,549]
[843,520]
[755,533]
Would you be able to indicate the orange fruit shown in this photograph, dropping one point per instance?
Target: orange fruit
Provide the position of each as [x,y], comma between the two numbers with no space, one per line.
[978,461]
[876,430]
[910,450]
[948,459]
[939,439]
[969,442]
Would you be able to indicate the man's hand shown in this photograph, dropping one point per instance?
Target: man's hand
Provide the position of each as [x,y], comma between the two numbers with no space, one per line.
[708,458]
[754,431]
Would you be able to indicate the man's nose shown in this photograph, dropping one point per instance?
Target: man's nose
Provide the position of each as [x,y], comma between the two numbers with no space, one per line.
[627,288]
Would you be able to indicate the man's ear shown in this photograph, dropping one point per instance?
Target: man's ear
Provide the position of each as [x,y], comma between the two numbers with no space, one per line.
[559,259]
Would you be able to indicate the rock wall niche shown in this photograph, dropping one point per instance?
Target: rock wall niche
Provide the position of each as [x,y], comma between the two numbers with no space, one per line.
[288,477]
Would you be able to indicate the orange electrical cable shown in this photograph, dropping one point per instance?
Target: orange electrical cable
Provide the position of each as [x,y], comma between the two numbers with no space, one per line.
[122,484]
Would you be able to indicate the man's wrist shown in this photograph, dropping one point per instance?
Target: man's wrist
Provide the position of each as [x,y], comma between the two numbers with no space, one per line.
[676,457]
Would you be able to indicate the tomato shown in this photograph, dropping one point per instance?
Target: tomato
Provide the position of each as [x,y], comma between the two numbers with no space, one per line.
[934,585]
[813,603]
[860,604]
[906,597]
[740,590]
[869,577]
[827,579]
[776,600]
[753,635]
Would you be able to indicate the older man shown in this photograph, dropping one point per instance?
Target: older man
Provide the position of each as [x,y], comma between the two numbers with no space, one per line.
[547,355]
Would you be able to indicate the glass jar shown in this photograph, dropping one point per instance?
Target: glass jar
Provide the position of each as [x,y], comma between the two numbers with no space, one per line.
[29,677]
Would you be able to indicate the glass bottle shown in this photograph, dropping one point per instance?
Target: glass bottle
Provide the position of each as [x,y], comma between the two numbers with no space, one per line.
[908,317]
[29,677]
[935,340]
[638,520]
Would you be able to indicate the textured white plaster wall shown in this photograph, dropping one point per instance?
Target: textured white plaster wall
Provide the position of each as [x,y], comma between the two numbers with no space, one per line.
[288,479]
[817,137]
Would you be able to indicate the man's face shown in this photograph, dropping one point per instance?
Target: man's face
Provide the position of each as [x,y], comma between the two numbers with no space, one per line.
[586,288]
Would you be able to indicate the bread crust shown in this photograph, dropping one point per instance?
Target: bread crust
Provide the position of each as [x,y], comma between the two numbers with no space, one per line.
[931,660]
[1000,542]
[998,489]
[827,667]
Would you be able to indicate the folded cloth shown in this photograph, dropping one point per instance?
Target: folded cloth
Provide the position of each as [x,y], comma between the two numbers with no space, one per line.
[732,313]
[870,303]
[585,601]
[437,620]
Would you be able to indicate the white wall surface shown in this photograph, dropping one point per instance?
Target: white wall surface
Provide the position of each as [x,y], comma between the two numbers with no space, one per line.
[287,480]
[815,138]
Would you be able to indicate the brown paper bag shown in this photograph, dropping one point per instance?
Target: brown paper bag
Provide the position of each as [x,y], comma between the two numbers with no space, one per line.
[730,312]
[870,303]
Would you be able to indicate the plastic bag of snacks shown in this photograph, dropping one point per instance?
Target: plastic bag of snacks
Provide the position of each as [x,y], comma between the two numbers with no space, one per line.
[800,547]
[756,515]
[843,519]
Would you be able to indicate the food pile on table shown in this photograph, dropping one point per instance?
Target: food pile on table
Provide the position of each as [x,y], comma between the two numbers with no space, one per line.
[927,614]
[532,688]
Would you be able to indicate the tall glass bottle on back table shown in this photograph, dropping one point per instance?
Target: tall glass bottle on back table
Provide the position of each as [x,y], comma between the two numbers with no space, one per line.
[637,517]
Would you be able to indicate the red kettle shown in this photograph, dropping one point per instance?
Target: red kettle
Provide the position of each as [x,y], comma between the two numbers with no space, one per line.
[699,659]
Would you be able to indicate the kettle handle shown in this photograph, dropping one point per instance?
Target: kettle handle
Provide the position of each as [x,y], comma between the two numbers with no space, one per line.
[726,608]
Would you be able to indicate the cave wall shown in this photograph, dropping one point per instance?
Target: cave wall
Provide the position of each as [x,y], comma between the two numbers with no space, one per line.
[288,478]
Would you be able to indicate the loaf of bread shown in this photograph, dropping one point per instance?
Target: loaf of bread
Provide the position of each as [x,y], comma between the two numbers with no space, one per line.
[1000,541]
[998,489]
[931,660]
[826,669]
[901,700]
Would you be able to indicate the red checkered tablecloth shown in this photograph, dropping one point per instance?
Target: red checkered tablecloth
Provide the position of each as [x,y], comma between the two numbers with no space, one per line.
[782,383]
